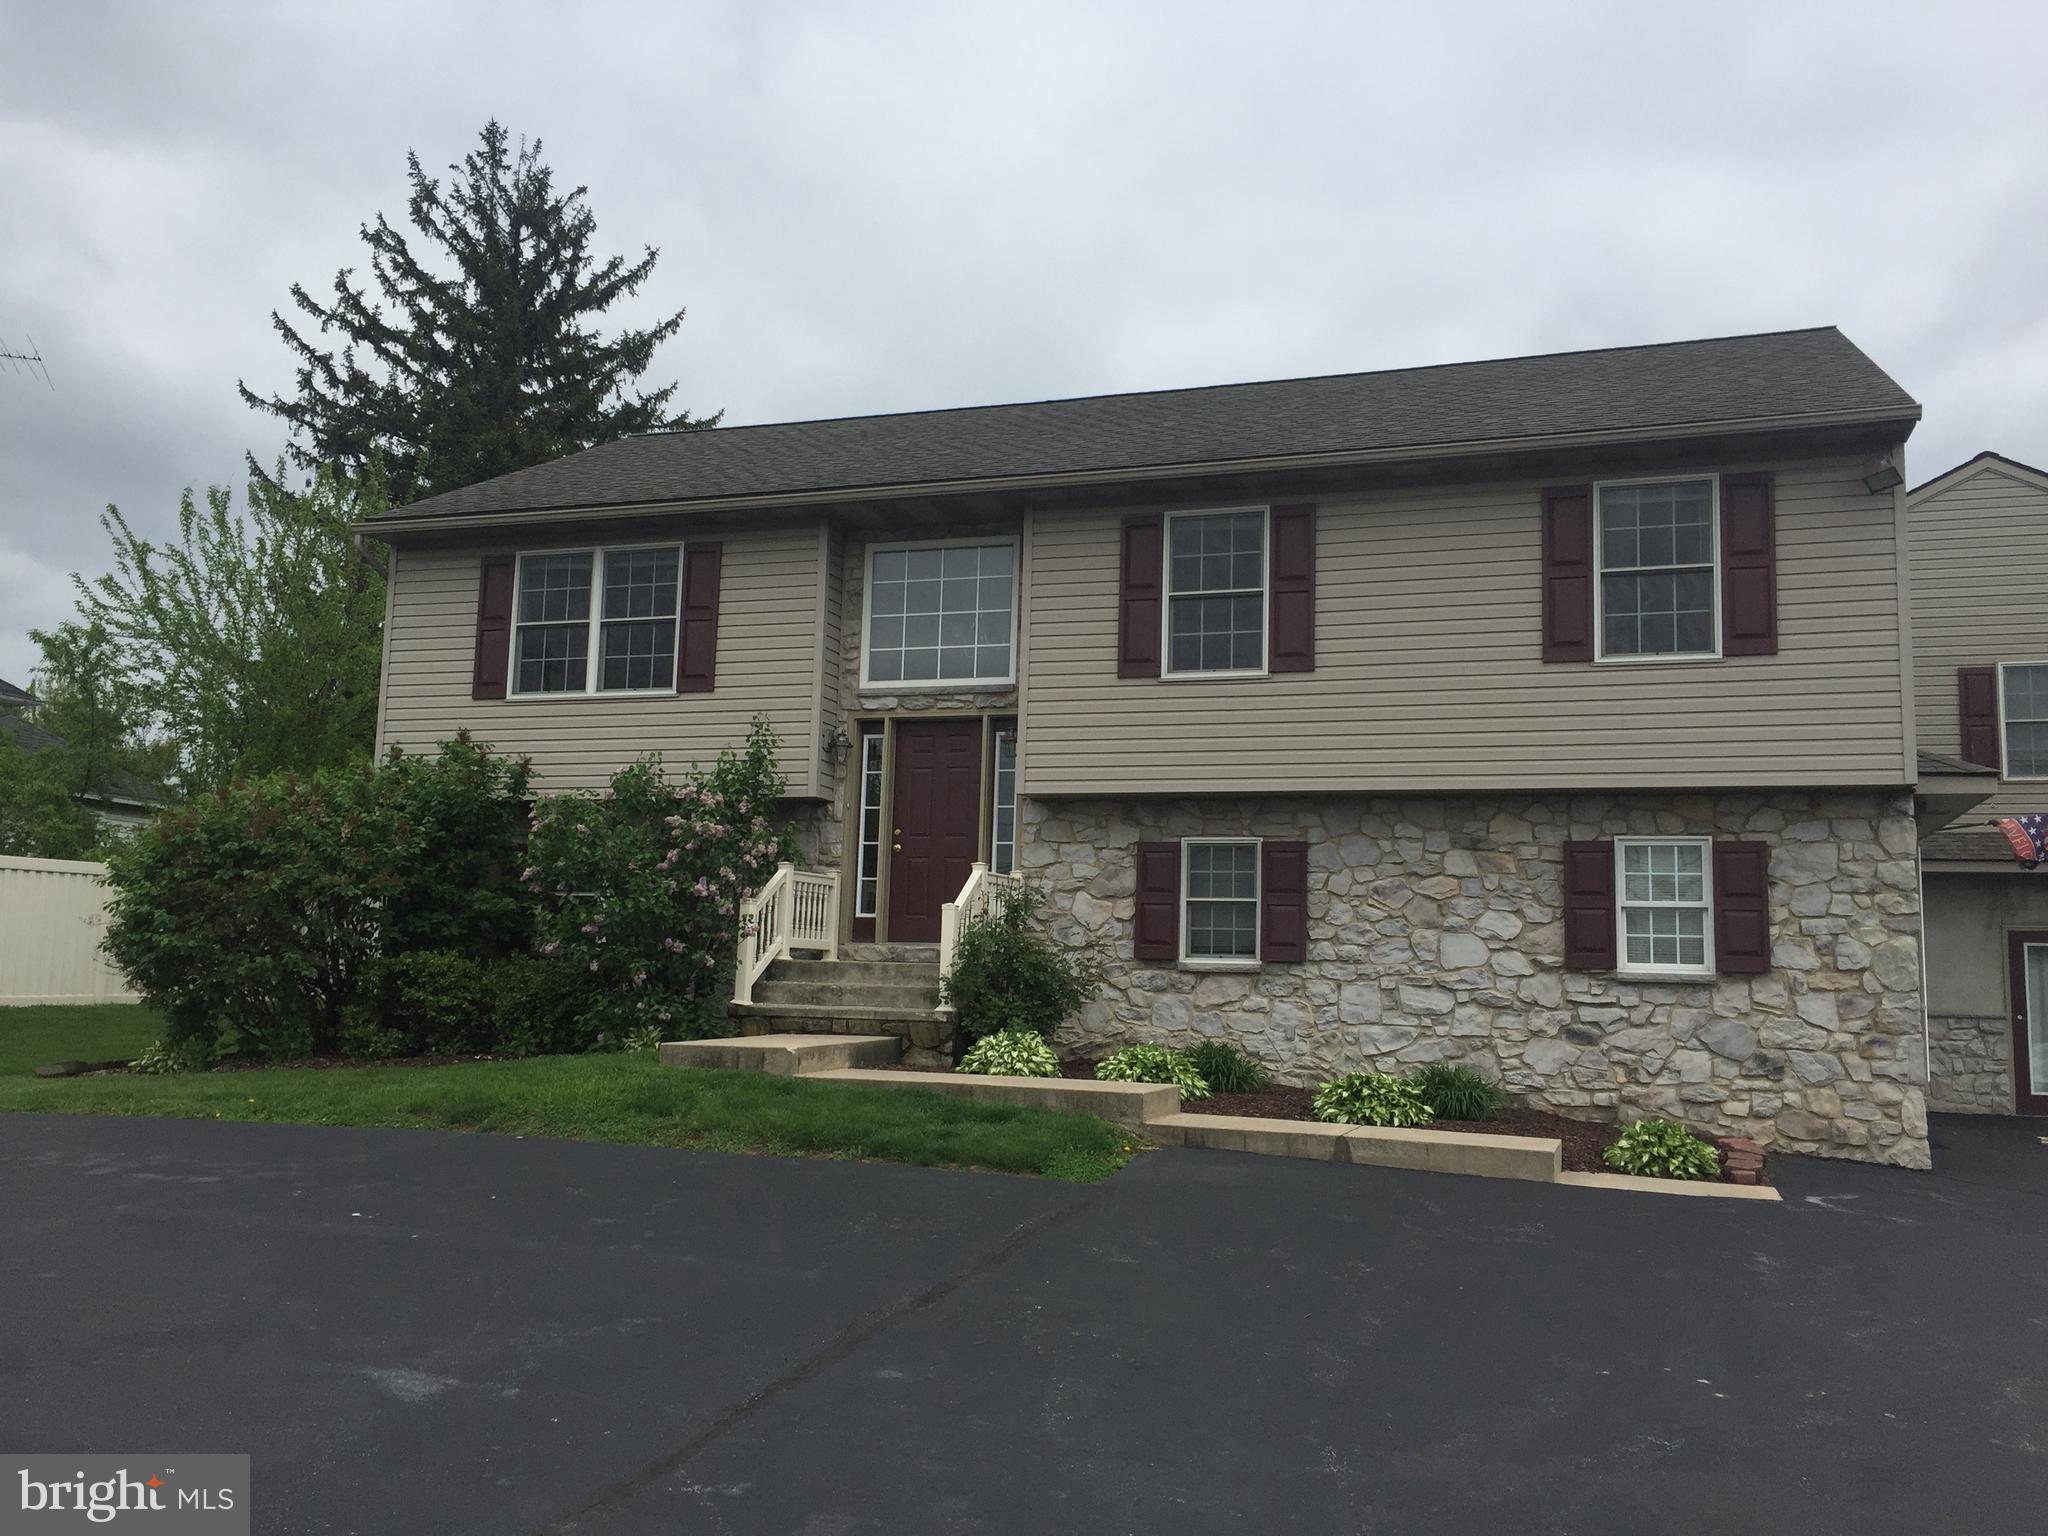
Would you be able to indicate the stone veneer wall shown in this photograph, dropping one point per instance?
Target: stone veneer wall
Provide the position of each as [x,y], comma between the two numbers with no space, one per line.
[1971,1064]
[1435,935]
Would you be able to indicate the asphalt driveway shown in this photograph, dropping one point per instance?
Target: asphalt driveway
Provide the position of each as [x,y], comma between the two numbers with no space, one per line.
[419,1332]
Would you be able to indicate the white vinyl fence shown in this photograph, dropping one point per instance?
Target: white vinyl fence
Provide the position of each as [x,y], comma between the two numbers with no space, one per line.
[52,912]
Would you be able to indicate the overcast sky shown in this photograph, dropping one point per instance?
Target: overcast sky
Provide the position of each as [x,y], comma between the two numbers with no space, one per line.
[876,206]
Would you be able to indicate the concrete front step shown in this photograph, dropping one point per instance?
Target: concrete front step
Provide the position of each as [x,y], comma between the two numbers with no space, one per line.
[828,994]
[784,1055]
[894,954]
[858,973]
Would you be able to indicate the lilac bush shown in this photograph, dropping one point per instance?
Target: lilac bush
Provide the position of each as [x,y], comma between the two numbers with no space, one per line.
[641,887]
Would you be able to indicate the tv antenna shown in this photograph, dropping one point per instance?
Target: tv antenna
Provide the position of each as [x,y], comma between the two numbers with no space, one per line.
[29,362]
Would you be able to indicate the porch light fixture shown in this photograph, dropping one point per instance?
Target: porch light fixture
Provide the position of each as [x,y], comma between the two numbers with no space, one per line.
[1883,476]
[838,743]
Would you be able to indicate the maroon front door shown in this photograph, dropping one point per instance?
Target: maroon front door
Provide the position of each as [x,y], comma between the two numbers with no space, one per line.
[936,830]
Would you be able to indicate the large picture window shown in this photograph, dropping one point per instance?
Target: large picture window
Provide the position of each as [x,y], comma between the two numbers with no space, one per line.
[2024,696]
[624,641]
[941,613]
[1665,905]
[1658,591]
[1220,900]
[1215,592]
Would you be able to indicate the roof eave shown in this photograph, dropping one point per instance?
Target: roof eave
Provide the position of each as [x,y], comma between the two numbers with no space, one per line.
[399,522]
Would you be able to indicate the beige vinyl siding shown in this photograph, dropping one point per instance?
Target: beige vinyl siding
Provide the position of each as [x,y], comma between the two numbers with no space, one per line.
[1979,546]
[1429,670]
[768,620]
[831,645]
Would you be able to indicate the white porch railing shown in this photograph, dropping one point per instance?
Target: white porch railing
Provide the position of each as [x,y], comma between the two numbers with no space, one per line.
[794,910]
[984,890]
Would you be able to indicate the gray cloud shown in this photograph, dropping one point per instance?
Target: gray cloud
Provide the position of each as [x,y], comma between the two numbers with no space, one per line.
[873,208]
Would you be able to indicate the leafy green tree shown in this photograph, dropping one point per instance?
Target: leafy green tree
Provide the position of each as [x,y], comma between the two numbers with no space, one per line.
[91,705]
[252,643]
[39,819]
[483,361]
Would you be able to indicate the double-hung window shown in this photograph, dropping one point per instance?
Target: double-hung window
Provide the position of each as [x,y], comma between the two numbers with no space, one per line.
[1658,591]
[2024,695]
[1220,900]
[600,621]
[941,613]
[1215,593]
[1665,905]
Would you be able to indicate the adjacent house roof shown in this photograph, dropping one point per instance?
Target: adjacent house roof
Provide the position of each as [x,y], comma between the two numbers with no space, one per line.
[118,785]
[1977,464]
[1972,845]
[13,698]
[1785,378]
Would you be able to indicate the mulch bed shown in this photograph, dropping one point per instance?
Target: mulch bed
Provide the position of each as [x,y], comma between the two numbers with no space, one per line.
[1583,1140]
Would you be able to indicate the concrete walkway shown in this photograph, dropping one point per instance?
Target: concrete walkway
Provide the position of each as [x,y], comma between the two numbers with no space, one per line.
[442,1333]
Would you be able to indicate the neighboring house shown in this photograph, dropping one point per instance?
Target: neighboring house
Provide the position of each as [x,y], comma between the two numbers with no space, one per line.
[1550,714]
[1980,634]
[121,801]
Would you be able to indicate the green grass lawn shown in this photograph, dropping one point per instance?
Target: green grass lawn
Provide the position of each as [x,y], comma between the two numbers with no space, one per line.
[630,1099]
[35,1037]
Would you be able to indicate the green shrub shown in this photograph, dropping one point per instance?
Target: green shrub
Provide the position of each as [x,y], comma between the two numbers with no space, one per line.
[1008,973]
[1227,1068]
[642,1042]
[1457,1093]
[251,918]
[537,1007]
[438,1001]
[165,1057]
[1011,1053]
[1153,1064]
[363,1038]
[1371,1098]
[640,887]
[1663,1149]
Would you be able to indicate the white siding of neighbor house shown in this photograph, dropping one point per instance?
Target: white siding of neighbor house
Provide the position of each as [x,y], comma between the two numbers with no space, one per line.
[768,639]
[1979,548]
[1429,670]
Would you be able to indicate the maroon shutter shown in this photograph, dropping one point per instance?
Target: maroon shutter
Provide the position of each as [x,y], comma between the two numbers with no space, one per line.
[697,635]
[1742,908]
[493,629]
[1283,901]
[1292,644]
[1749,566]
[1977,714]
[1589,906]
[1156,933]
[1568,574]
[1138,614]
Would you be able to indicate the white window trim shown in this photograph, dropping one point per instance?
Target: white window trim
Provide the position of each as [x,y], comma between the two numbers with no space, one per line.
[1600,655]
[1166,596]
[1225,963]
[860,832]
[2005,724]
[937,684]
[1622,905]
[995,795]
[593,626]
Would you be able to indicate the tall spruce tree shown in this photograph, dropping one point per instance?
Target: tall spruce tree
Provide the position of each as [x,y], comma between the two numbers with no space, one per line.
[453,376]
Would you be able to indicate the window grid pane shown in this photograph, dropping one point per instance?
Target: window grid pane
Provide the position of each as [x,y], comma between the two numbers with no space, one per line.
[640,583]
[2026,722]
[942,614]
[554,589]
[552,658]
[1003,833]
[1222,901]
[1215,579]
[1664,902]
[1657,569]
[637,654]
[868,877]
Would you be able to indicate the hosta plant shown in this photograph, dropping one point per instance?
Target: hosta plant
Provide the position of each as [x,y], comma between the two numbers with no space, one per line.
[1227,1068]
[1153,1064]
[1663,1149]
[1453,1092]
[1372,1098]
[1011,1053]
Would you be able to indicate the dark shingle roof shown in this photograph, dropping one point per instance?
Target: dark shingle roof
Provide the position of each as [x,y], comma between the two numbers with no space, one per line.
[1933,763]
[1721,382]
[118,785]
[12,697]
[1976,845]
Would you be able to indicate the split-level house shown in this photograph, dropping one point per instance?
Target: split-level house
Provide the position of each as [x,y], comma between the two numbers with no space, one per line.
[1553,714]
[1980,624]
